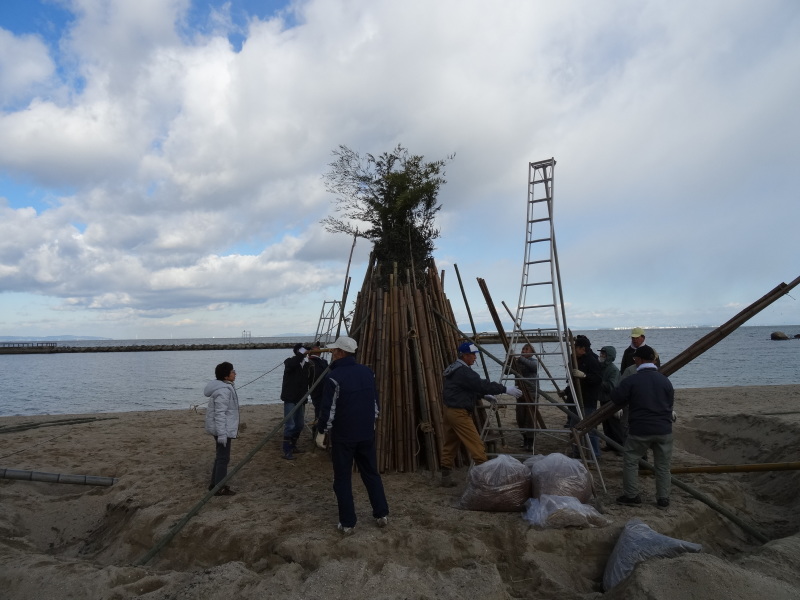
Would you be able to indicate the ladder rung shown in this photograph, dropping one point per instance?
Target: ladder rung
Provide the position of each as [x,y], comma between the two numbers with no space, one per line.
[536,241]
[538,262]
[542,220]
[538,283]
[538,306]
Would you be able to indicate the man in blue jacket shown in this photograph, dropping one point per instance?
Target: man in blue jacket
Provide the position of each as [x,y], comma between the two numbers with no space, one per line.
[348,414]
[650,398]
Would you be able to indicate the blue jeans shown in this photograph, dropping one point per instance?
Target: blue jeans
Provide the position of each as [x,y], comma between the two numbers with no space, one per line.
[294,426]
[220,468]
[343,454]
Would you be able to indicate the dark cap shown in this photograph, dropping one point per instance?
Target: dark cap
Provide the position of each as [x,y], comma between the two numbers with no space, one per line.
[581,341]
[645,352]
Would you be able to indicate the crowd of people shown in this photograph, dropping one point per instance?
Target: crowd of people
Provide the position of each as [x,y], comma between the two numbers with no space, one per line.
[346,407]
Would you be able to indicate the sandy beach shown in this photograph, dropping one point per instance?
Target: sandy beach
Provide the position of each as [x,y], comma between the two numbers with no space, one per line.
[277,537]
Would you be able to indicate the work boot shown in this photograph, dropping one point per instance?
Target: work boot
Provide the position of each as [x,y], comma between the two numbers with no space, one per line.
[287,450]
[447,479]
[295,449]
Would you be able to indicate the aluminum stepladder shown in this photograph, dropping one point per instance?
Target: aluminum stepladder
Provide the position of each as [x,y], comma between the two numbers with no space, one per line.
[540,321]
[328,322]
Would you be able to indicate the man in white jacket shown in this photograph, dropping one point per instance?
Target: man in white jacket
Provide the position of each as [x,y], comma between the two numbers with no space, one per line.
[222,421]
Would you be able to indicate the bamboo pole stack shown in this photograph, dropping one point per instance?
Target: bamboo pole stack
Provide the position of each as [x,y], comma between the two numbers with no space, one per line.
[402,341]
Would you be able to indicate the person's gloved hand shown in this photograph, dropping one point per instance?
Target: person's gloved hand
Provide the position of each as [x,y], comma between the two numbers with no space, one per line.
[299,350]
[618,414]
[492,400]
[578,373]
[674,416]
[514,391]
[221,439]
[320,441]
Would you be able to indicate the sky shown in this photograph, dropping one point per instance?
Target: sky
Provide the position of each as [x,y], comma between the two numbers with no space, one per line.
[161,160]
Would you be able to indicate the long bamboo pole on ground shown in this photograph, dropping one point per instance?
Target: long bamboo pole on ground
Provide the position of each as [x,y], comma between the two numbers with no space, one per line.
[752,468]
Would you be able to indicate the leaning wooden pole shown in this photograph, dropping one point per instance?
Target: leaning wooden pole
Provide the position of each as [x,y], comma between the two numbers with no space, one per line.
[724,330]
[696,349]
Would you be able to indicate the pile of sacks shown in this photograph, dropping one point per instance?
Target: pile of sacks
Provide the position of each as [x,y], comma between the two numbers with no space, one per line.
[552,490]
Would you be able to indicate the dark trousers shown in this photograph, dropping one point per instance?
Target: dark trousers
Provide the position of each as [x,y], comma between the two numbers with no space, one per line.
[220,468]
[343,455]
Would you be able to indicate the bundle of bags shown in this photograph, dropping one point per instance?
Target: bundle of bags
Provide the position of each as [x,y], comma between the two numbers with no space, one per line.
[552,490]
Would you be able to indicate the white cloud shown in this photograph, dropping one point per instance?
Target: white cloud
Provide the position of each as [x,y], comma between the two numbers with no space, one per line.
[187,175]
[25,66]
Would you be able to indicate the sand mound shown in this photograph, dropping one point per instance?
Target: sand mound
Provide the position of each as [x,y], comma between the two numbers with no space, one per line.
[277,539]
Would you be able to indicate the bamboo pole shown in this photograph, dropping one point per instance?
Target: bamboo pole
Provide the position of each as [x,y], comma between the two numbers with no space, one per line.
[751,468]
[696,349]
[57,477]
[724,330]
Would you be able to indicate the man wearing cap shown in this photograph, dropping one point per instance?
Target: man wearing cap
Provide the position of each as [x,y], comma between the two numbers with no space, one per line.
[294,392]
[348,414]
[462,389]
[588,375]
[637,339]
[650,398]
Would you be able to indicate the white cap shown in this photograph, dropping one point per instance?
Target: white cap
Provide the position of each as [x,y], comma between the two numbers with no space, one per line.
[345,343]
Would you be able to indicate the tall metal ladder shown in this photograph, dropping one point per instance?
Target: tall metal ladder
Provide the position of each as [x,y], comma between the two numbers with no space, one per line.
[540,321]
[328,323]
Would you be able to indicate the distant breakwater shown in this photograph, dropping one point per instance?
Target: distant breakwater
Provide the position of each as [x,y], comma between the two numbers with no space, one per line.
[53,349]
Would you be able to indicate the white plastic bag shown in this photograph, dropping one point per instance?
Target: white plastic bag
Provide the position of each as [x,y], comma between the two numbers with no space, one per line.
[501,484]
[557,512]
[558,475]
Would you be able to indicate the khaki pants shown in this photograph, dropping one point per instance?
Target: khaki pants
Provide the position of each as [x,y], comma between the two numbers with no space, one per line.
[459,427]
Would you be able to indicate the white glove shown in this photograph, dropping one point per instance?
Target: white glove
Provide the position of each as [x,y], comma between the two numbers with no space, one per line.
[492,400]
[513,391]
[320,440]
[222,440]
[674,416]
[301,350]
[618,414]
[578,373]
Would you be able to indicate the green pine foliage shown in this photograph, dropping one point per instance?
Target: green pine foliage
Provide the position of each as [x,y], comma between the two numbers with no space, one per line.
[390,200]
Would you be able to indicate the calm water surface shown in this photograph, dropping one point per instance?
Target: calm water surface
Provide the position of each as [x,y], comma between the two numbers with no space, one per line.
[132,381]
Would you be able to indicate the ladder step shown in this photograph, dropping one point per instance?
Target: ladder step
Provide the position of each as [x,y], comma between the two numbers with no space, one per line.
[542,220]
[536,241]
[537,306]
[539,283]
[538,262]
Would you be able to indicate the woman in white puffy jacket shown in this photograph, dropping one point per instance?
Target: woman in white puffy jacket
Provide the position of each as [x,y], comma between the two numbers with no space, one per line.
[222,421]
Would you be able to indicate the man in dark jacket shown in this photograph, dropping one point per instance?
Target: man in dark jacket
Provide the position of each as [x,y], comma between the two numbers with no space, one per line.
[462,389]
[588,376]
[348,413]
[294,391]
[317,366]
[650,398]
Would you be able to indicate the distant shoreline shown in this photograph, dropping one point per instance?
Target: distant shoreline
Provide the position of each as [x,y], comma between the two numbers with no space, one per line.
[142,348]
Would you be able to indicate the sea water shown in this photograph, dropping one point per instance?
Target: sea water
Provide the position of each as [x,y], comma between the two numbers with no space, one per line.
[78,383]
